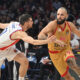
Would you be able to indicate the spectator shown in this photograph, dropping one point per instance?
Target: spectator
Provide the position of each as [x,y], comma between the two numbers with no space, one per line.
[47,64]
[57,4]
[74,44]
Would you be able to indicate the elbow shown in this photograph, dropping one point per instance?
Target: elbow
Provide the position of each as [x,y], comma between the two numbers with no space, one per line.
[39,37]
[42,37]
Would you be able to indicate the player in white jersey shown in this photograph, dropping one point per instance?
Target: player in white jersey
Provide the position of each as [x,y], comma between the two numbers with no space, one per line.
[11,34]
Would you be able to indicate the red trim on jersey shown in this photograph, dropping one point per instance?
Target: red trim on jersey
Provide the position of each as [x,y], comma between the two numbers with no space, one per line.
[9,45]
[54,52]
[67,69]
[70,57]
[69,26]
[55,30]
[13,33]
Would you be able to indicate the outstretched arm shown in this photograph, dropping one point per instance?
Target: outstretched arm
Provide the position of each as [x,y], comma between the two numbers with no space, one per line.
[3,25]
[22,35]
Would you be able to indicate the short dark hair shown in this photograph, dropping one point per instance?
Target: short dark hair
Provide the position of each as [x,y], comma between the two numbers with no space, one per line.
[23,18]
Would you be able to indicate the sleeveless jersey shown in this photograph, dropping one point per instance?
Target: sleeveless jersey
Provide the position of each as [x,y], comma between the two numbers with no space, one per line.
[5,36]
[62,34]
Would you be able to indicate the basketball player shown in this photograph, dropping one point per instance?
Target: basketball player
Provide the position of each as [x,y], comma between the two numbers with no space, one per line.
[11,34]
[62,57]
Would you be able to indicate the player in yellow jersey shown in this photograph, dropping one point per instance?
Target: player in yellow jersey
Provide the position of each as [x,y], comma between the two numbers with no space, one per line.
[62,57]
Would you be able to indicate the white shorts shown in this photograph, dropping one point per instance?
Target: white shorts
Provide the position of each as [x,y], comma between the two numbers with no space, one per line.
[8,54]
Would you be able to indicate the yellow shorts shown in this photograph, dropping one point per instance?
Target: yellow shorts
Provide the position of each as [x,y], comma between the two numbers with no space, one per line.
[59,61]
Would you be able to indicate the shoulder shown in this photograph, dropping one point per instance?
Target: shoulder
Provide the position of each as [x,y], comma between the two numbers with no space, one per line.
[15,25]
[69,22]
[71,25]
[54,22]
[18,35]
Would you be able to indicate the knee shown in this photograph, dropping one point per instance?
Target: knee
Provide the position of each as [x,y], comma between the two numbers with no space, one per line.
[71,62]
[68,76]
[25,62]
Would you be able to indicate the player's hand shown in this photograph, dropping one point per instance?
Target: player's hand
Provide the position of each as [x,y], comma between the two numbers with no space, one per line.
[44,61]
[51,39]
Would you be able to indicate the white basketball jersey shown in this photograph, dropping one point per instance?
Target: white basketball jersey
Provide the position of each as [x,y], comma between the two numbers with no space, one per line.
[5,36]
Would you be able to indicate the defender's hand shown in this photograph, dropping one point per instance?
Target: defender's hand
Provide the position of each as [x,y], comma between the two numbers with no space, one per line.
[51,39]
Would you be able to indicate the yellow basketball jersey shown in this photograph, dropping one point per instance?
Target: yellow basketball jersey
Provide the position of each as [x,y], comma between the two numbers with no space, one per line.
[63,34]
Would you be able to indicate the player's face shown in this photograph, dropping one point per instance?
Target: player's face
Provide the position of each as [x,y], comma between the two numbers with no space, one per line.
[30,23]
[61,16]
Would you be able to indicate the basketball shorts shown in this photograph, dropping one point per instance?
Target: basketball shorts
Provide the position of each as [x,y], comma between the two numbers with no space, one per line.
[8,54]
[59,61]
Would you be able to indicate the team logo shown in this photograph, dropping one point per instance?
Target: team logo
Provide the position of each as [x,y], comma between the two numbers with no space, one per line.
[67,31]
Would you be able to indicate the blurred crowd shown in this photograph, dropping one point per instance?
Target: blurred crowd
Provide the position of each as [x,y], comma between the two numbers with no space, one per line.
[42,11]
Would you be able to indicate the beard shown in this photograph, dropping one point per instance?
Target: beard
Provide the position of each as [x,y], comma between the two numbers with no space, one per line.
[61,22]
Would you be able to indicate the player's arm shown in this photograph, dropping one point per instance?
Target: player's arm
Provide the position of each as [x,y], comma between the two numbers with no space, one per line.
[74,29]
[46,30]
[22,35]
[4,25]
